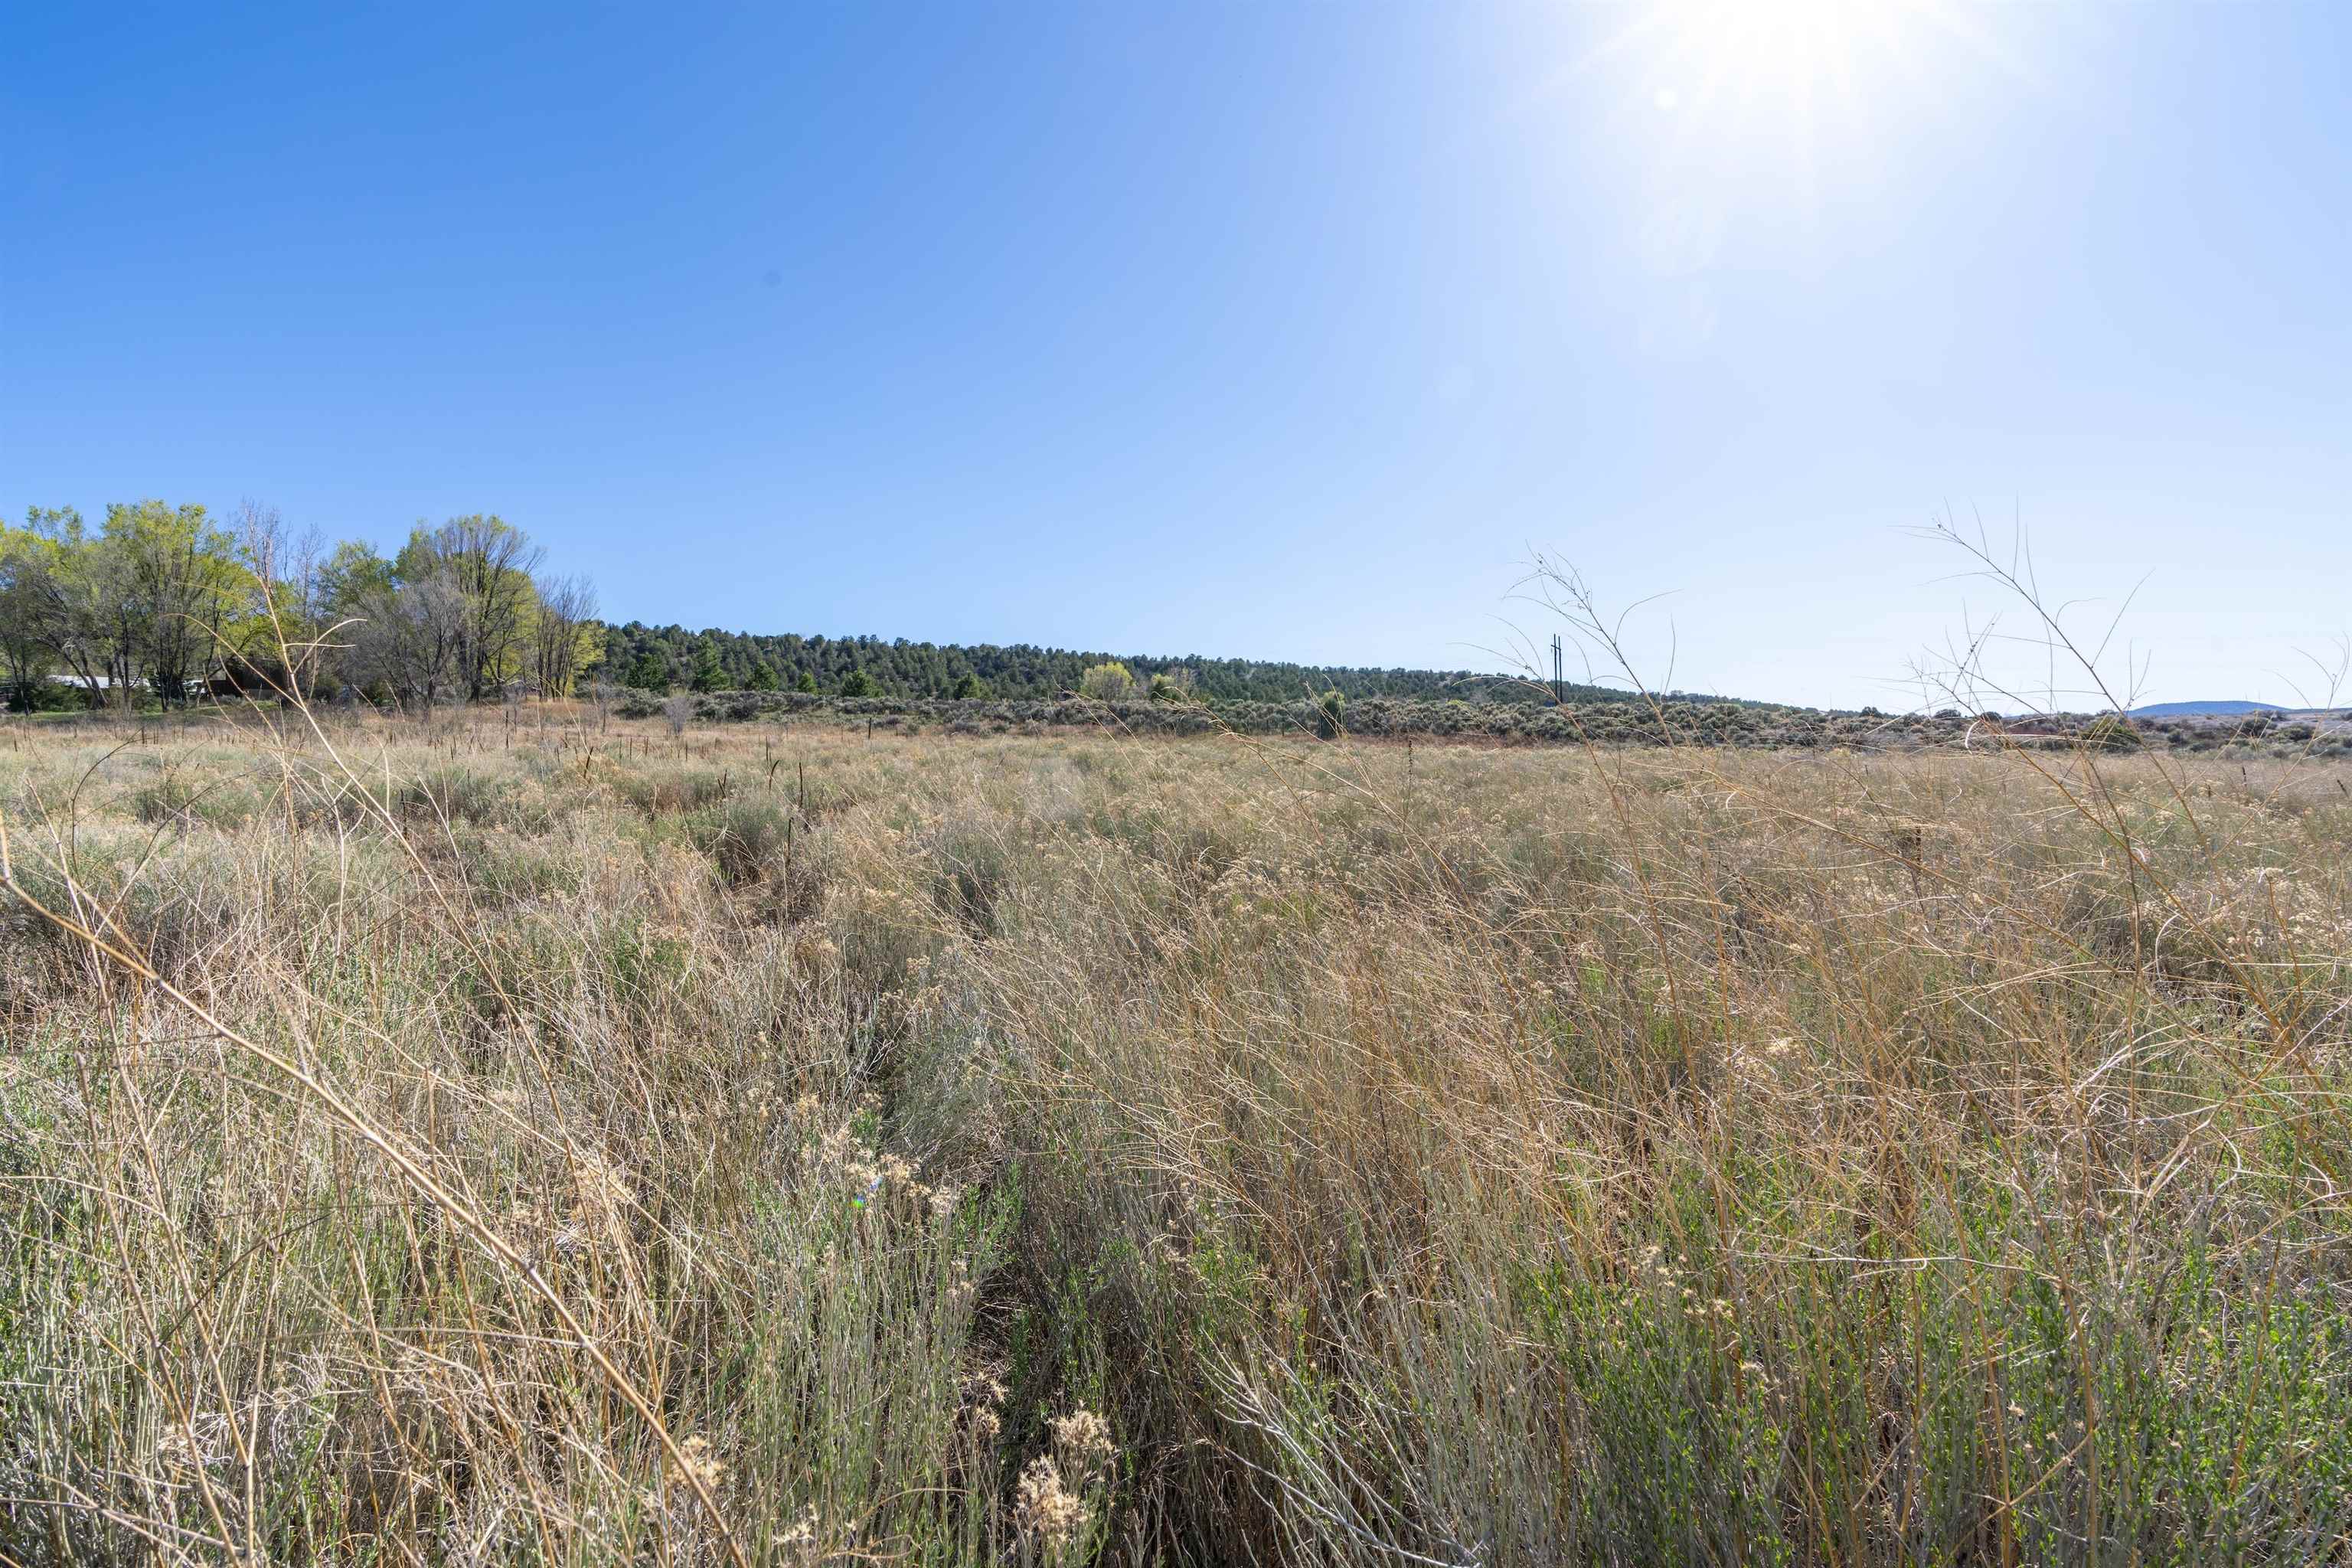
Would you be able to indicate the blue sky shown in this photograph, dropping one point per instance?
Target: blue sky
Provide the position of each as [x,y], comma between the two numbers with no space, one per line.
[1266,330]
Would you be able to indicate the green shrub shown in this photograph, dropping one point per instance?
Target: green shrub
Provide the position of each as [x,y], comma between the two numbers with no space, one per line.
[1330,715]
[1108,682]
[2112,732]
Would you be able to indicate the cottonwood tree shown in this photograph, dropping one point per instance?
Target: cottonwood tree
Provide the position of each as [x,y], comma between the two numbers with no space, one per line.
[35,602]
[565,640]
[354,576]
[455,611]
[490,563]
[146,600]
[411,636]
[162,596]
[65,595]
[180,584]
[352,585]
[285,637]
[25,660]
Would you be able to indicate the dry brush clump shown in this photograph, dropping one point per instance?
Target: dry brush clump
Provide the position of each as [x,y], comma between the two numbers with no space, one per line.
[596,1143]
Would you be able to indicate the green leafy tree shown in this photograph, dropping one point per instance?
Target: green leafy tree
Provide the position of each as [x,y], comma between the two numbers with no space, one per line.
[151,599]
[763,677]
[483,568]
[969,687]
[177,580]
[354,576]
[708,675]
[806,682]
[36,601]
[857,683]
[1107,682]
[355,590]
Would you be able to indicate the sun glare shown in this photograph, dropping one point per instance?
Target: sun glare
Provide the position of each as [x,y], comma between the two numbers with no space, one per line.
[1750,57]
[1782,45]
[1790,60]
[1785,90]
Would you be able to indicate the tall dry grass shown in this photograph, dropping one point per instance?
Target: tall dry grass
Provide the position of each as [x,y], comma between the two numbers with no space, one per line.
[531,1143]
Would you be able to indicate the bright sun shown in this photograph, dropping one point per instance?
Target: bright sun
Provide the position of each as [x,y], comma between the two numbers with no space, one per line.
[1745,57]
[1745,62]
[1745,87]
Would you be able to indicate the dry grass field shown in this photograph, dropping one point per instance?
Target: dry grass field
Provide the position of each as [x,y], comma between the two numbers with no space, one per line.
[574,1145]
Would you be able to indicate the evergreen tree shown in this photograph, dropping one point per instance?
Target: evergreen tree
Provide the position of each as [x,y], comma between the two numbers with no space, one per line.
[708,675]
[1025,672]
[857,683]
[763,677]
[648,672]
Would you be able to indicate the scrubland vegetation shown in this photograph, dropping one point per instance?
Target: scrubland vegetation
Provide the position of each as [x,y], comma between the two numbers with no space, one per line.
[1623,719]
[595,1143]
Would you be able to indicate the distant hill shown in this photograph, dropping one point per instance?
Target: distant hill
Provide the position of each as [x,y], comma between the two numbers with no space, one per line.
[2222,709]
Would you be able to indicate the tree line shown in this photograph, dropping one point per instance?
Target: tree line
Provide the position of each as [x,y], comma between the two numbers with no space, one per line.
[665,658]
[169,603]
